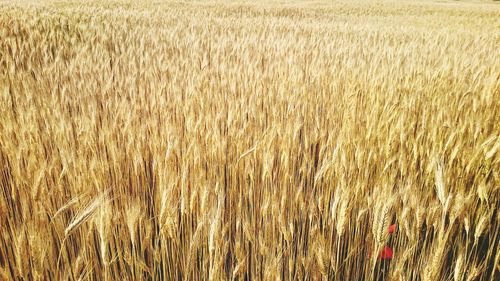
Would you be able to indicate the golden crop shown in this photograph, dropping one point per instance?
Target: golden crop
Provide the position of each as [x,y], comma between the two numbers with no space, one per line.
[260,140]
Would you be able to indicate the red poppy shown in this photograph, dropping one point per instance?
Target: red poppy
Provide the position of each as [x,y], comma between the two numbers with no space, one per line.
[386,253]
[392,228]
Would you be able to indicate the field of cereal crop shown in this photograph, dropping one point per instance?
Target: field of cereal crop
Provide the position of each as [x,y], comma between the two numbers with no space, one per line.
[249,140]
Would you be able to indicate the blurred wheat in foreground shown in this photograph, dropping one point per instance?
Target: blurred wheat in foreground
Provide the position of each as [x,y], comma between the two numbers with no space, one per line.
[262,140]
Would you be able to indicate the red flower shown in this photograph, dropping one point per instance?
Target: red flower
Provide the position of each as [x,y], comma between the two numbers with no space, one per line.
[392,228]
[386,253]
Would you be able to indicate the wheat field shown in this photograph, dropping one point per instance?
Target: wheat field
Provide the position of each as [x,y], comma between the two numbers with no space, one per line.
[249,140]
